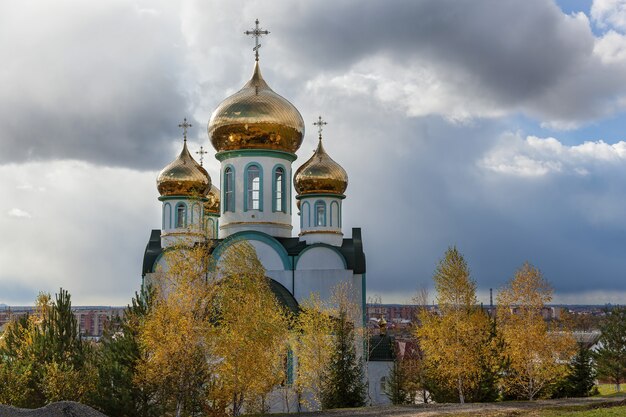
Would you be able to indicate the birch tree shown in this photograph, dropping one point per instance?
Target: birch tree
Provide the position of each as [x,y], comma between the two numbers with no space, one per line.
[456,341]
[538,355]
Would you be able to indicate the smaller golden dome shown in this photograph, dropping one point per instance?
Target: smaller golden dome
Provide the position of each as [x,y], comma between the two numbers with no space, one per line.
[212,205]
[320,174]
[184,177]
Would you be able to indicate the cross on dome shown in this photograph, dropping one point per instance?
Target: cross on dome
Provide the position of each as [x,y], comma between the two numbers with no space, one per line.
[257,33]
[320,125]
[201,152]
[185,125]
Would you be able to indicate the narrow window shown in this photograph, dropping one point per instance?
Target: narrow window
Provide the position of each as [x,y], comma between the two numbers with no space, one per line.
[229,195]
[320,213]
[180,216]
[279,202]
[254,188]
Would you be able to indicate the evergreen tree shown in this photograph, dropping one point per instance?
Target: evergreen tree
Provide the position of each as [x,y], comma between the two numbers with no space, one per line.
[118,394]
[581,379]
[611,354]
[395,387]
[344,385]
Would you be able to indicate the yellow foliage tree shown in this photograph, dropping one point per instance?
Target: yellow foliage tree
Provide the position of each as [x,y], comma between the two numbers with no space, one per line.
[538,355]
[216,336]
[177,334]
[251,328]
[456,341]
[313,346]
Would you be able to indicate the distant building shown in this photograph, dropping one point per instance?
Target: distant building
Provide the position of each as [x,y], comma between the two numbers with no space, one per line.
[91,320]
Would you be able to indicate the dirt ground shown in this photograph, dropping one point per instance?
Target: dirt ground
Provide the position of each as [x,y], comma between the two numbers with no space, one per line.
[475,409]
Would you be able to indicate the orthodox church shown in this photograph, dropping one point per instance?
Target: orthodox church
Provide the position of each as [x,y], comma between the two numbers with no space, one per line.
[256,134]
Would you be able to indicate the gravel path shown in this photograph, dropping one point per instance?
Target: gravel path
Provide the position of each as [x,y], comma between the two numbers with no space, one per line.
[475,409]
[60,409]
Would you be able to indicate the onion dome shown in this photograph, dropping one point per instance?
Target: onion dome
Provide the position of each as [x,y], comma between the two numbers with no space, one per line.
[212,205]
[256,118]
[184,177]
[320,174]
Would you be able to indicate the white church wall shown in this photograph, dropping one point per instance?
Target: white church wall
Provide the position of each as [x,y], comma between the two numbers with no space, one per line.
[268,256]
[320,257]
[274,223]
[377,373]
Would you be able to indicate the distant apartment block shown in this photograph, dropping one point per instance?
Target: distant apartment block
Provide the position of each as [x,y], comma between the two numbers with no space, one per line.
[91,320]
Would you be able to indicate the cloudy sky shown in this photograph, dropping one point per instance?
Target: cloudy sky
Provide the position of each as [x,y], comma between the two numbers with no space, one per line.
[494,125]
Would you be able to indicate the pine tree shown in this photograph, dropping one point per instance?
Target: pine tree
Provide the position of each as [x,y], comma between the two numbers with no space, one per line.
[344,385]
[582,377]
[118,394]
[611,355]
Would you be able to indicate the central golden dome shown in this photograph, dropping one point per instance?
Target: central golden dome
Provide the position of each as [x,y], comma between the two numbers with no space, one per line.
[256,117]
[320,174]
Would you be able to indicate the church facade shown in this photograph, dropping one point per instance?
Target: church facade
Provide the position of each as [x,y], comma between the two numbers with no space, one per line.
[256,135]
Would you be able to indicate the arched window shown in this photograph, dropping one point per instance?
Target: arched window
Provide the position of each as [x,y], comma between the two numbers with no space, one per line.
[279,190]
[253,188]
[181,214]
[320,213]
[229,190]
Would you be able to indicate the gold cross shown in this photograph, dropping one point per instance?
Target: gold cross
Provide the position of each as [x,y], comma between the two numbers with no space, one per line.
[257,33]
[201,152]
[320,125]
[185,125]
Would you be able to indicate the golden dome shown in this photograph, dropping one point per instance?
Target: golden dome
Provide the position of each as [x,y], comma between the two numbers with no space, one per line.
[320,174]
[184,177]
[212,205]
[256,118]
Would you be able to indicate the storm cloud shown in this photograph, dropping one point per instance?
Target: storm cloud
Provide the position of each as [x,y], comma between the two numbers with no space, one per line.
[454,120]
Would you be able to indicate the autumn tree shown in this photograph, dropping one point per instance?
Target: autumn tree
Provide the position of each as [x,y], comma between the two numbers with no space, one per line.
[313,346]
[457,340]
[251,329]
[610,356]
[538,354]
[176,337]
[216,337]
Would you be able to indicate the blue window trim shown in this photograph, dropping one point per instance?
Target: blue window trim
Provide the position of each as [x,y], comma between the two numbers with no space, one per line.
[193,206]
[288,184]
[234,193]
[283,203]
[245,186]
[308,213]
[331,214]
[317,204]
[167,223]
[181,204]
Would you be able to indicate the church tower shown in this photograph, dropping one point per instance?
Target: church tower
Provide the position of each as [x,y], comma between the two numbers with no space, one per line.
[320,183]
[256,134]
[183,186]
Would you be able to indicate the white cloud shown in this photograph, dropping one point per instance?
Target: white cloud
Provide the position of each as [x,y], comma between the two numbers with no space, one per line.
[537,157]
[609,13]
[15,212]
[86,231]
